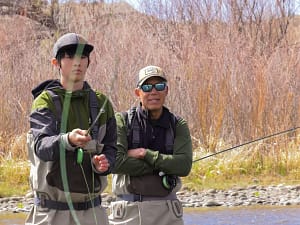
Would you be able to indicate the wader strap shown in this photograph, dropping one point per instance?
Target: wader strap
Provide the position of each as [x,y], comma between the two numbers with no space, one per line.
[135,133]
[132,126]
[142,198]
[50,204]
[94,110]
[170,137]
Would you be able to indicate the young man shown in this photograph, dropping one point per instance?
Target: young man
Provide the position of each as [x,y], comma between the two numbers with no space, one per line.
[153,149]
[70,161]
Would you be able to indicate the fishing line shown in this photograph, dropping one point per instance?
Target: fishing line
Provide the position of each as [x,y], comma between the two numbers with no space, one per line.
[90,195]
[246,143]
[63,129]
[66,107]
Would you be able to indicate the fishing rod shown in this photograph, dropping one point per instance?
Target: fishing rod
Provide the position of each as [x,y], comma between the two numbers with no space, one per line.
[246,143]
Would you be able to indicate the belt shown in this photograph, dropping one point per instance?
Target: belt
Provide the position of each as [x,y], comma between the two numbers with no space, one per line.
[142,198]
[50,204]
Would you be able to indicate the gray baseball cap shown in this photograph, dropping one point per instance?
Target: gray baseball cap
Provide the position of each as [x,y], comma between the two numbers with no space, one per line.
[70,39]
[150,71]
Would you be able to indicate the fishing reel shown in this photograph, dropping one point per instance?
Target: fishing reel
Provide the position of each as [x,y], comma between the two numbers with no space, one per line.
[92,147]
[79,155]
[169,182]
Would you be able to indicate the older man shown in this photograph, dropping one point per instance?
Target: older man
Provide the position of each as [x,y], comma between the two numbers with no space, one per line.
[153,150]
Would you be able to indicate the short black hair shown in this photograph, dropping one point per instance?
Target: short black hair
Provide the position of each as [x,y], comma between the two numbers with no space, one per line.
[70,50]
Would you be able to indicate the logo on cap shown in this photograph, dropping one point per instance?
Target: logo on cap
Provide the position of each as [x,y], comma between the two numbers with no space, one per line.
[150,71]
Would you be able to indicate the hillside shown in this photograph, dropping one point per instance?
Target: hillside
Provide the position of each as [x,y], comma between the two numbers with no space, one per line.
[210,65]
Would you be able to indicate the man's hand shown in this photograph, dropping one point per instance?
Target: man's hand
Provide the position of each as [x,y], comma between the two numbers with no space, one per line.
[101,163]
[138,153]
[79,138]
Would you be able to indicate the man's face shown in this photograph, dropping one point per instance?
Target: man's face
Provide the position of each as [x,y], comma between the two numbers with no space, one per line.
[154,99]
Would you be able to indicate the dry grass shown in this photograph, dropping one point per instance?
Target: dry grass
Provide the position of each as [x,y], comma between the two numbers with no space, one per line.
[264,163]
[231,84]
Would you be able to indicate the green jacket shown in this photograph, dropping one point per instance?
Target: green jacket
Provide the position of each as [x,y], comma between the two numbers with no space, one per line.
[48,137]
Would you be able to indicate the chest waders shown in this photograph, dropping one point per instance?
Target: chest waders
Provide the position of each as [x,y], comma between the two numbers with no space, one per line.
[52,171]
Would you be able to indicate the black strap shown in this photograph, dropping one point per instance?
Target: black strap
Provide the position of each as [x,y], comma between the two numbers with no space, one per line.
[170,135]
[50,204]
[94,110]
[142,198]
[93,104]
[134,127]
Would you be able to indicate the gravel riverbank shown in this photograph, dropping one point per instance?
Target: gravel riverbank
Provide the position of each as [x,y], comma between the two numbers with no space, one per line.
[252,195]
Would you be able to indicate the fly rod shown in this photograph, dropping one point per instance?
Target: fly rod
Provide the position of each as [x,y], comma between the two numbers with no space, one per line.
[246,143]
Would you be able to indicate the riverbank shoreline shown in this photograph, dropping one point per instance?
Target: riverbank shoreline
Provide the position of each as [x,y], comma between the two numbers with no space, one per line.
[275,195]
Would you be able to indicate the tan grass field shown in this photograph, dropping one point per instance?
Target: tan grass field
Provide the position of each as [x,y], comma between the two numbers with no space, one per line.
[234,80]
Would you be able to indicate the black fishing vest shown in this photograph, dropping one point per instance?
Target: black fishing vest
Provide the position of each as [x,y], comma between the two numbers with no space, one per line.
[156,135]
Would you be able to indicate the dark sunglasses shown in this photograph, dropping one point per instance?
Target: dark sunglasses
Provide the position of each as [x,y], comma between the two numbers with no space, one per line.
[149,87]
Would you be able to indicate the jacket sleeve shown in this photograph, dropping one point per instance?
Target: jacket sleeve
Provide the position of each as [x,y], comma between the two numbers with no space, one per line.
[125,164]
[180,163]
[109,141]
[44,128]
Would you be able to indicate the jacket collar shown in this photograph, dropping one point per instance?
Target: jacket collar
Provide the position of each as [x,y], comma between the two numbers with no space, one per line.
[54,84]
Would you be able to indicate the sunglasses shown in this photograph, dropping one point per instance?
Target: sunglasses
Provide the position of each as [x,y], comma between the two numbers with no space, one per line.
[149,87]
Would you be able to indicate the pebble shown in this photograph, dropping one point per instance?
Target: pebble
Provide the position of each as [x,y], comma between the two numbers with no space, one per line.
[252,195]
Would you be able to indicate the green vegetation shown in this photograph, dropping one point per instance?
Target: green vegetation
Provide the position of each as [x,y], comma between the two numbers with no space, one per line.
[241,167]
[247,166]
[14,176]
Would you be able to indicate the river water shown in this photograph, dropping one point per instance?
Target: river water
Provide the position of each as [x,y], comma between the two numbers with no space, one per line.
[287,215]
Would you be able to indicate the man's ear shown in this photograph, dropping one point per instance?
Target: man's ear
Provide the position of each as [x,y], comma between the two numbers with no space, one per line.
[137,92]
[55,62]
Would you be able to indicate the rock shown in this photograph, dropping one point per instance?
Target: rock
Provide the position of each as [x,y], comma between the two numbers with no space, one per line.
[234,193]
[253,195]
[179,193]
[29,195]
[212,191]
[252,187]
[212,203]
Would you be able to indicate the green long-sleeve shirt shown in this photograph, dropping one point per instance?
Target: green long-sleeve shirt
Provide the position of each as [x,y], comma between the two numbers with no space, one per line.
[179,163]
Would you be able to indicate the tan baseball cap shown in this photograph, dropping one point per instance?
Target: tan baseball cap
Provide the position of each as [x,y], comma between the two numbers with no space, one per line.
[150,71]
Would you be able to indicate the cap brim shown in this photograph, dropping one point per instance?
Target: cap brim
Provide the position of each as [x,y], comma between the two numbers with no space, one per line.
[87,48]
[147,77]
